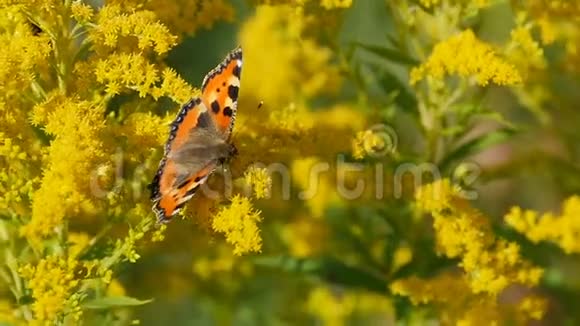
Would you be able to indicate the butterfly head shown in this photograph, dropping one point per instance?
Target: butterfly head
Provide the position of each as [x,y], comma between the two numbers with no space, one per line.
[230,153]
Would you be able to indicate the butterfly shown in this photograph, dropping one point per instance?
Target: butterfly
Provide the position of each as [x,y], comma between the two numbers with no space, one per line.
[199,139]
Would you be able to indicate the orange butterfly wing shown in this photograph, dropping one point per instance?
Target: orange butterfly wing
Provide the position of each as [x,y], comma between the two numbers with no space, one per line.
[179,177]
[220,89]
[172,187]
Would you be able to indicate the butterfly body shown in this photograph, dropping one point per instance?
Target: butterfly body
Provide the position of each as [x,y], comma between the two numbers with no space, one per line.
[199,139]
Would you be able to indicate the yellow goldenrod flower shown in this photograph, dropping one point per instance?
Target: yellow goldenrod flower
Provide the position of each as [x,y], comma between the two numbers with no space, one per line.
[466,56]
[548,31]
[335,308]
[175,87]
[436,196]
[533,306]
[238,222]
[159,234]
[445,287]
[119,72]
[259,180]
[22,55]
[457,304]
[189,16]
[433,3]
[65,187]
[52,282]
[490,264]
[333,4]
[429,3]
[280,29]
[524,51]
[113,25]
[128,245]
[325,4]
[82,12]
[367,143]
[145,129]
[563,229]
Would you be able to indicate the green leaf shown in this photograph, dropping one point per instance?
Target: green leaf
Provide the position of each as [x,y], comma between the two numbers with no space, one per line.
[327,269]
[110,302]
[392,55]
[477,145]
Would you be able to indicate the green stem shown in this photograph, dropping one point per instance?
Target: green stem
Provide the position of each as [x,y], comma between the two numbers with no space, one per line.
[38,90]
[94,240]
[142,227]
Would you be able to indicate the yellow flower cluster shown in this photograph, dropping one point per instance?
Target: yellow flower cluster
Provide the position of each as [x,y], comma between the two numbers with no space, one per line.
[326,4]
[22,56]
[53,283]
[238,222]
[524,51]
[563,8]
[259,180]
[336,307]
[113,26]
[280,28]
[82,12]
[144,129]
[333,4]
[183,17]
[433,3]
[466,56]
[367,143]
[188,16]
[557,21]
[563,229]
[459,306]
[490,264]
[18,174]
[65,188]
[120,72]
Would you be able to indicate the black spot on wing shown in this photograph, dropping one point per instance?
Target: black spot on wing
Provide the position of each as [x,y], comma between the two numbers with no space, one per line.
[237,71]
[228,111]
[179,207]
[236,54]
[204,120]
[233,92]
[215,107]
[191,191]
[183,184]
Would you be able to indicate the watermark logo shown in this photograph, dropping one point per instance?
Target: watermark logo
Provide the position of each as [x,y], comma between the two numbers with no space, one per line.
[380,140]
[350,180]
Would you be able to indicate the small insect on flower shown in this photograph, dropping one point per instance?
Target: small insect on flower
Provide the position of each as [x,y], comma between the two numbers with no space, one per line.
[199,139]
